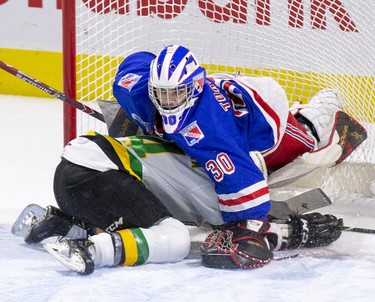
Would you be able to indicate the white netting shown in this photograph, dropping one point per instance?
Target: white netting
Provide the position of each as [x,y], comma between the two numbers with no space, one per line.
[305,45]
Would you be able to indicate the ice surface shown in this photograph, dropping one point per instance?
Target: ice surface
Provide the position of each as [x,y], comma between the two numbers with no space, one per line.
[31,142]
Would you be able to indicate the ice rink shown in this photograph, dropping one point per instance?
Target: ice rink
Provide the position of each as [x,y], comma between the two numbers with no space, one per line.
[31,143]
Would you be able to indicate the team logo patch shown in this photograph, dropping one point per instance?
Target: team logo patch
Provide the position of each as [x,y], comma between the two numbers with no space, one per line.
[192,133]
[129,80]
[198,82]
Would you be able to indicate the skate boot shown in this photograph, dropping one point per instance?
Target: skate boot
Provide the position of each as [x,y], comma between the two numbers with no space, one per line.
[78,254]
[28,217]
[36,223]
[84,255]
[319,113]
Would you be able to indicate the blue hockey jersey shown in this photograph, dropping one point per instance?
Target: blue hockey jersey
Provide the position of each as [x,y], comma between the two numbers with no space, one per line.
[232,117]
[130,88]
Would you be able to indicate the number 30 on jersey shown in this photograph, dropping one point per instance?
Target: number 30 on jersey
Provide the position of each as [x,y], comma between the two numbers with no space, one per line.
[220,166]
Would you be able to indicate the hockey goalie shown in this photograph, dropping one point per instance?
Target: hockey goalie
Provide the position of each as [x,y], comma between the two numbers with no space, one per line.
[215,142]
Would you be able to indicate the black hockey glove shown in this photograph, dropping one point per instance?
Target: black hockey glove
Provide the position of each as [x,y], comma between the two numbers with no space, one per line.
[314,230]
[235,247]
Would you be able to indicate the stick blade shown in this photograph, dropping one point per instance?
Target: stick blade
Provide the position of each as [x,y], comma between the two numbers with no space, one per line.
[118,122]
[303,203]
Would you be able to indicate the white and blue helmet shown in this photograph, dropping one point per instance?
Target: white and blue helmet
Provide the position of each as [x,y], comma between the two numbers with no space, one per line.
[176,80]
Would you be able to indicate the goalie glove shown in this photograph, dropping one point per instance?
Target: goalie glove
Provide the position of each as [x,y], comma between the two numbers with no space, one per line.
[236,247]
[311,230]
[314,230]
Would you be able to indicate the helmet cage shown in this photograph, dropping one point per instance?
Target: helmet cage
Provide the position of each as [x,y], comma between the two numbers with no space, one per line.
[171,100]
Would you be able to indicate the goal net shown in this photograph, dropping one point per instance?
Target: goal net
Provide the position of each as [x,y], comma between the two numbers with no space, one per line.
[305,45]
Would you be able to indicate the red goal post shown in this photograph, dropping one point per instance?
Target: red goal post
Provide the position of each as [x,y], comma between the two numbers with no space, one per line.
[305,45]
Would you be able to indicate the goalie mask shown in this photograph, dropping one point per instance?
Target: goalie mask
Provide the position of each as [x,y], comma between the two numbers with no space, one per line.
[176,80]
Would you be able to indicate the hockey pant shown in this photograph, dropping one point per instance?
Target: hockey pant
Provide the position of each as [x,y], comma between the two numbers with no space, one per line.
[110,200]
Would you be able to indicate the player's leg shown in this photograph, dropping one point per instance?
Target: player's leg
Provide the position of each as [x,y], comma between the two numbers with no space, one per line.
[166,241]
[88,198]
[138,227]
[110,200]
[333,129]
[319,113]
[296,141]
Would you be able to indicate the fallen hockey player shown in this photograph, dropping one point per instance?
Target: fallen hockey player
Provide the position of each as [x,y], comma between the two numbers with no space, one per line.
[143,203]
[141,190]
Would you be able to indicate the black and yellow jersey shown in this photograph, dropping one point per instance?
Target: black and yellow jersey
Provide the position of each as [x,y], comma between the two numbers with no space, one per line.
[180,184]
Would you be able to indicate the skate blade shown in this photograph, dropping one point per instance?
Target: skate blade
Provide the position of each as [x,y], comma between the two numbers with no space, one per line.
[22,224]
[62,254]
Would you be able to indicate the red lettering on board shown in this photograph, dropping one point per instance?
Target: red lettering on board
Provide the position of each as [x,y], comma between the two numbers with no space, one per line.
[163,9]
[35,3]
[336,8]
[295,8]
[39,3]
[120,7]
[262,12]
[235,11]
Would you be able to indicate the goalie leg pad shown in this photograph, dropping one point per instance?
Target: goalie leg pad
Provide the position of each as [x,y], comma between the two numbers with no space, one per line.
[236,247]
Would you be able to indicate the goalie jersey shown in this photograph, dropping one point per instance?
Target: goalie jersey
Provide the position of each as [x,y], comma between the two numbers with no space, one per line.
[233,116]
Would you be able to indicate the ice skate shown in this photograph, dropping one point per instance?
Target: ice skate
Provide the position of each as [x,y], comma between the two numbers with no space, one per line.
[27,219]
[35,223]
[78,255]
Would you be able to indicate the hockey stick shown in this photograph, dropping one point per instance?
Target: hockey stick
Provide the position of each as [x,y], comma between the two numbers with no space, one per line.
[48,89]
[118,123]
[300,204]
[307,202]
[357,230]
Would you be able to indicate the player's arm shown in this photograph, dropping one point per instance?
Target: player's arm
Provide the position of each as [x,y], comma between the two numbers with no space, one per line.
[241,186]
[130,88]
[249,241]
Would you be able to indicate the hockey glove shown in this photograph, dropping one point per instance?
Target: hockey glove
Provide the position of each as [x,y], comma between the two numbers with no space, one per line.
[235,247]
[314,230]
